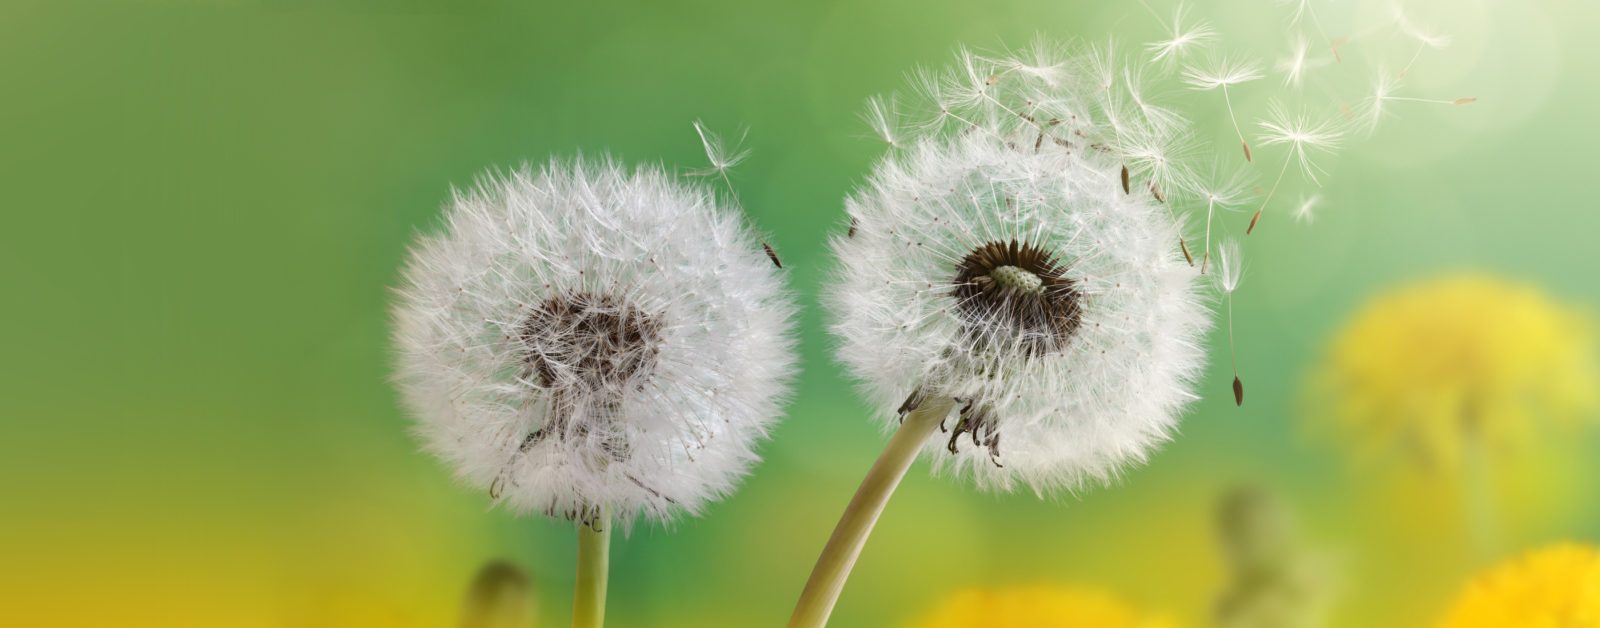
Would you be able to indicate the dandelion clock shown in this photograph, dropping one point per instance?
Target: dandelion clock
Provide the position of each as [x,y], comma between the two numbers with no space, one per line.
[593,343]
[1009,285]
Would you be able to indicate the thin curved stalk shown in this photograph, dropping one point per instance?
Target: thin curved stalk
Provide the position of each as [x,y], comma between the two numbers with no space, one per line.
[594,558]
[850,535]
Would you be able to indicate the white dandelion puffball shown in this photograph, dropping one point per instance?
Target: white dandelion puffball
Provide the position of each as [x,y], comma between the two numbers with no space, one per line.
[582,339]
[1004,258]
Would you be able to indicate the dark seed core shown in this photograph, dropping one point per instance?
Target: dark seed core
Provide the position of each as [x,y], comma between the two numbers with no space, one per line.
[582,342]
[1021,288]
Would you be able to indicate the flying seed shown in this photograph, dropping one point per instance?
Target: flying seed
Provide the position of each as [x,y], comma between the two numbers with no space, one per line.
[1253,220]
[1238,391]
[772,255]
[1466,101]
[1124,179]
[1185,246]
[852,232]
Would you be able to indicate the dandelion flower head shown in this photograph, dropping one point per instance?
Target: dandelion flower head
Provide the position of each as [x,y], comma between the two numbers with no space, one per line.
[1038,606]
[1554,587]
[1007,258]
[1469,359]
[585,338]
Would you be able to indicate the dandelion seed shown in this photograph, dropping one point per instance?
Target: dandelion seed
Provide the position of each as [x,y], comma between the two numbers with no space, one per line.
[1231,271]
[1156,156]
[1181,38]
[1222,190]
[1383,89]
[1425,38]
[721,155]
[771,254]
[1157,118]
[1294,66]
[1305,212]
[1302,136]
[882,116]
[1303,9]
[1223,74]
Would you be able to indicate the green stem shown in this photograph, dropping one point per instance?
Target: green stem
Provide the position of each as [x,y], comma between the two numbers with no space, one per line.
[594,557]
[833,566]
[1478,499]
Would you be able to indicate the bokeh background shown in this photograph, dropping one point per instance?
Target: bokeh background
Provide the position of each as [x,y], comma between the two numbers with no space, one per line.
[205,205]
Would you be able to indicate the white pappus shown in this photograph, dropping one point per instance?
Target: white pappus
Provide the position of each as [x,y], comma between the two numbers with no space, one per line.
[583,339]
[1002,259]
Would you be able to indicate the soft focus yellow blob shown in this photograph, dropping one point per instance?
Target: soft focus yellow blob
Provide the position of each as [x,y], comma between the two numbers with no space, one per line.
[1038,606]
[1556,587]
[1437,369]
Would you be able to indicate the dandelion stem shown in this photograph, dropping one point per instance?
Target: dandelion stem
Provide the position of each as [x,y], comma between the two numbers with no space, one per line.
[594,557]
[1205,258]
[1229,101]
[1478,497]
[1270,193]
[850,535]
[1233,354]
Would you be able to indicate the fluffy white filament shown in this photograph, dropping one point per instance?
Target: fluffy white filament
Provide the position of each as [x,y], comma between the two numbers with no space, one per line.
[581,337]
[1026,154]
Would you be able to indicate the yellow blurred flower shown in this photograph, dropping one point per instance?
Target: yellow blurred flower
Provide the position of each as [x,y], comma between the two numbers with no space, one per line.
[1461,361]
[1556,587]
[1038,606]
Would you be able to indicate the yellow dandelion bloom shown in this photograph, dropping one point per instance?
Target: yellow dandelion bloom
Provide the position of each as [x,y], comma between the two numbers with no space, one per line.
[1556,587]
[1038,606]
[1464,360]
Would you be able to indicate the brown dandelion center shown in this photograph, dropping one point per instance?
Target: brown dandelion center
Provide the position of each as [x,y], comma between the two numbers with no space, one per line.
[1019,290]
[582,342]
[586,349]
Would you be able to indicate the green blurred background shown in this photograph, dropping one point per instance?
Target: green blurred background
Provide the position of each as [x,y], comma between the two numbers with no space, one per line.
[206,204]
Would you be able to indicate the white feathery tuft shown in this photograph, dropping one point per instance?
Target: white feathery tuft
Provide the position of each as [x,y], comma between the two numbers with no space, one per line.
[723,156]
[1306,211]
[884,118]
[1294,66]
[998,260]
[1181,38]
[1221,72]
[582,338]
[1301,134]
[1230,266]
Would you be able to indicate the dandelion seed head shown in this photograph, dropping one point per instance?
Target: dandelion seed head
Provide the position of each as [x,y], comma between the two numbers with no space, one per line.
[582,338]
[999,262]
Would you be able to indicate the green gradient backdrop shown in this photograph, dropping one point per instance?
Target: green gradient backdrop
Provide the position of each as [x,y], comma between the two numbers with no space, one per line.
[206,202]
